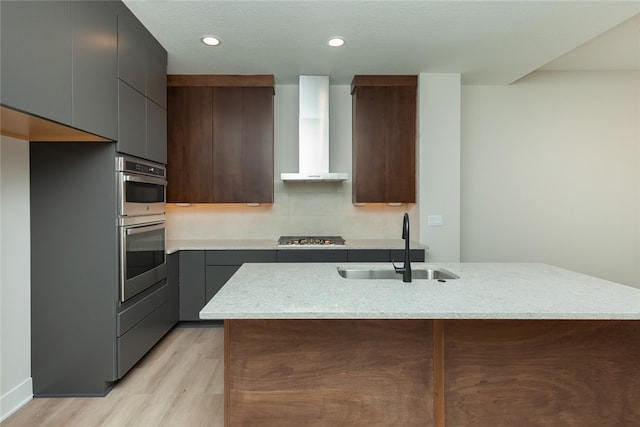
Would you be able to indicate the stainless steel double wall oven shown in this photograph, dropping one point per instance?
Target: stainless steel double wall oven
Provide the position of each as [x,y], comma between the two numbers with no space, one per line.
[141,187]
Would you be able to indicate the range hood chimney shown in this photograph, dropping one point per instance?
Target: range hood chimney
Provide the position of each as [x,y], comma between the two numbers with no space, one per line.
[313,133]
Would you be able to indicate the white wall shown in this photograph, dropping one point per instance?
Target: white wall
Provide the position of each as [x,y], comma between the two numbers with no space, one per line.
[15,276]
[439,164]
[551,172]
[299,208]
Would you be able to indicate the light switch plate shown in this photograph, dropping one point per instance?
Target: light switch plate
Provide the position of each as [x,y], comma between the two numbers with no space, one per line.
[434,220]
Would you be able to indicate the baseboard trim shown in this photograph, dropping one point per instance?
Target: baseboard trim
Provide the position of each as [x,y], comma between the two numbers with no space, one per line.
[15,398]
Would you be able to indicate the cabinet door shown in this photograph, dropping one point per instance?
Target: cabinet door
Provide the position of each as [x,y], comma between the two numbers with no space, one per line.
[192,284]
[243,145]
[368,255]
[156,132]
[416,255]
[95,85]
[257,131]
[173,280]
[312,255]
[384,139]
[36,58]
[216,277]
[400,144]
[369,148]
[156,82]
[227,145]
[190,127]
[132,63]
[220,143]
[132,121]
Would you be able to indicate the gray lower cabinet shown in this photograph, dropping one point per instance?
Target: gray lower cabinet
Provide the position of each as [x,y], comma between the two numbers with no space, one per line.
[313,255]
[142,324]
[202,273]
[192,283]
[215,278]
[397,255]
[368,255]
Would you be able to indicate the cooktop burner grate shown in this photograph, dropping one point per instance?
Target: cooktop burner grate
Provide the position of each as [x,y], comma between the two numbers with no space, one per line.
[310,241]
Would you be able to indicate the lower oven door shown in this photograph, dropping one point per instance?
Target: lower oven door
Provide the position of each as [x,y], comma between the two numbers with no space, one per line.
[142,258]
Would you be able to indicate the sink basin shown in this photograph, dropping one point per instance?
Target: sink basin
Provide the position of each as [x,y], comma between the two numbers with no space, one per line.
[362,273]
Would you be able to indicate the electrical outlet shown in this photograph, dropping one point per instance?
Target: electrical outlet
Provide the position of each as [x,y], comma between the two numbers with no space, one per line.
[434,220]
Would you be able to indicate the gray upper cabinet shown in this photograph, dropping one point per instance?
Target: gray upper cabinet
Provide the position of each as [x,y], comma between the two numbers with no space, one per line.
[36,58]
[59,62]
[156,83]
[156,132]
[95,41]
[142,71]
[132,117]
[132,64]
[67,61]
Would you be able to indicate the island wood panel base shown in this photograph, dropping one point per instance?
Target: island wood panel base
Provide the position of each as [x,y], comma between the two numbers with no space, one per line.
[328,372]
[432,372]
[542,373]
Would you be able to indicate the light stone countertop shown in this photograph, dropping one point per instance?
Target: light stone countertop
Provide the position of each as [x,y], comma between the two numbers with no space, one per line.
[265,244]
[483,291]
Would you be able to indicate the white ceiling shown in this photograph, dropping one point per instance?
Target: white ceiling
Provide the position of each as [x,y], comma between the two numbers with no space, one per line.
[488,42]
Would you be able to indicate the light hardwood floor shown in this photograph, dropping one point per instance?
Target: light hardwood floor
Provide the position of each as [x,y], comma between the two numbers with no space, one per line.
[179,383]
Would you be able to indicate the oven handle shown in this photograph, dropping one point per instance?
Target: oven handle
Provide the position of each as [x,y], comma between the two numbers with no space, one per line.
[145,228]
[144,179]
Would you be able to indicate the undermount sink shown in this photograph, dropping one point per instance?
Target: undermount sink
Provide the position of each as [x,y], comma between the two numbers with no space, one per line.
[362,273]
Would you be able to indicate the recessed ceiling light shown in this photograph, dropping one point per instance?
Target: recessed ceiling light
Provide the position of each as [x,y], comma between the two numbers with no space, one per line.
[336,42]
[210,40]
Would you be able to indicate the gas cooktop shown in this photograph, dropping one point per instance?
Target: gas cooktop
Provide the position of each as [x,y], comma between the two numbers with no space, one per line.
[311,241]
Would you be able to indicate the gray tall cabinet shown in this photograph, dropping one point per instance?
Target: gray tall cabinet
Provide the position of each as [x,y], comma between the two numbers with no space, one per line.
[66,62]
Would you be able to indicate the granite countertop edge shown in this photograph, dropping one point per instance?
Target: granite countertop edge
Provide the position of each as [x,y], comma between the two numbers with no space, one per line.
[267,244]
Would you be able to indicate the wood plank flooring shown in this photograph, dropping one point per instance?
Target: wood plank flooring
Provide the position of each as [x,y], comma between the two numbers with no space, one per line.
[179,383]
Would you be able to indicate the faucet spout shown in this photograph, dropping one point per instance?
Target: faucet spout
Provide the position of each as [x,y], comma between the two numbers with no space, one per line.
[405,270]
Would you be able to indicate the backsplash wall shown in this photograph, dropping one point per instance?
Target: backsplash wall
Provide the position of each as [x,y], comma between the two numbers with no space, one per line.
[299,208]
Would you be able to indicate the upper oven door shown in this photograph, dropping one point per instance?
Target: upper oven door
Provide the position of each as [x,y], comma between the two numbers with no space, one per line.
[141,195]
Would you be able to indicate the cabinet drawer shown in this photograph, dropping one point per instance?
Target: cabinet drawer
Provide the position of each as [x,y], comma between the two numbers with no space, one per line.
[417,255]
[132,315]
[220,257]
[312,255]
[369,255]
[133,345]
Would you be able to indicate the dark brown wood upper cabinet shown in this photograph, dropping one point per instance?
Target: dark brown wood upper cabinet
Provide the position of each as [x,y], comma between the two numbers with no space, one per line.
[384,139]
[220,139]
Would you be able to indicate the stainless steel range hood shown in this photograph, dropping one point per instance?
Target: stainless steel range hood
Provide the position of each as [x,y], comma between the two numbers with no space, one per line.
[313,133]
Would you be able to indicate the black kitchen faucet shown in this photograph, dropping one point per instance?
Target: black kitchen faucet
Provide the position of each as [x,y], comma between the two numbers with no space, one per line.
[405,270]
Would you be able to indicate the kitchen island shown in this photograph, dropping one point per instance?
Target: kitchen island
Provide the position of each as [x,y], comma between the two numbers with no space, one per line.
[505,344]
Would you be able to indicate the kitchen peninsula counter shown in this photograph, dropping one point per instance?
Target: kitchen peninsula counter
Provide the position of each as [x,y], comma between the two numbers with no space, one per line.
[503,345]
